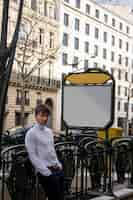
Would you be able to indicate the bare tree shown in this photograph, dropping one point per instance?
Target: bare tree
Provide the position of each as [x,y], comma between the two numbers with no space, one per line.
[28,55]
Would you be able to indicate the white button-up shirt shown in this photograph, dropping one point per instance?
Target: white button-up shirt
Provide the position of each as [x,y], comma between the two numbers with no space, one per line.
[40,146]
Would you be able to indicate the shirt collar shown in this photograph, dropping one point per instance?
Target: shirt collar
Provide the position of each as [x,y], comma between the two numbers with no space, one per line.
[41,127]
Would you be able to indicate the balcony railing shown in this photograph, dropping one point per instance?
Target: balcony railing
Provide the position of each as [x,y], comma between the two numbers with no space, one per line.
[34,81]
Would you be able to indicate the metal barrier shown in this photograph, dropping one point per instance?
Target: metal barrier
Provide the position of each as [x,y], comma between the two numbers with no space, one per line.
[91,167]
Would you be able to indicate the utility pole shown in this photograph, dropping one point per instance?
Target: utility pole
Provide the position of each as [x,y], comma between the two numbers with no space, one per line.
[7,53]
[127,112]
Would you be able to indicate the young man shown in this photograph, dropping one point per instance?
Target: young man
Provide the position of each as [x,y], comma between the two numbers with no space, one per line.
[40,147]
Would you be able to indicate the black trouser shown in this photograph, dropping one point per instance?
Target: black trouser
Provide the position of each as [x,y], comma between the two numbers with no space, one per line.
[53,185]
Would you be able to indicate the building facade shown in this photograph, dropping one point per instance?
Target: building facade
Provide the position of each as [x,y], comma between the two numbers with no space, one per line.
[94,36]
[35,68]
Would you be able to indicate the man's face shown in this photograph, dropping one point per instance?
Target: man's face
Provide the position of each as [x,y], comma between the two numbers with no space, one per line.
[42,118]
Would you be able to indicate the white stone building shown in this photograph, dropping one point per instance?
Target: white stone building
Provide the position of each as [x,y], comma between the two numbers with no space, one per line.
[96,36]
[44,83]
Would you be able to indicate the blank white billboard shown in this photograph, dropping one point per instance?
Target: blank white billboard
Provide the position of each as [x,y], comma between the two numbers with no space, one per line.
[87,106]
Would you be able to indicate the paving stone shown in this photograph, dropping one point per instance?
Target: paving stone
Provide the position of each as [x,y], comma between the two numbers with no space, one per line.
[104,198]
[124,193]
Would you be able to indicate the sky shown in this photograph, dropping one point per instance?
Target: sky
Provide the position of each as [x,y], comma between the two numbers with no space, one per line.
[127,2]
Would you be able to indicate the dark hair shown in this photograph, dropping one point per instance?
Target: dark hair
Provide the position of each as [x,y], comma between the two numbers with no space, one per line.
[42,108]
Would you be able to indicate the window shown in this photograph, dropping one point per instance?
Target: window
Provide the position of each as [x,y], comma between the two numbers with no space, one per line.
[104,53]
[119,74]
[112,71]
[87,9]
[120,26]
[132,64]
[87,29]
[76,43]
[51,12]
[65,39]
[64,59]
[51,40]
[125,106]
[120,122]
[112,56]
[125,91]
[113,40]
[17,119]
[95,64]
[77,3]
[76,24]
[41,32]
[104,67]
[75,61]
[127,29]
[119,106]
[19,97]
[86,64]
[120,43]
[34,5]
[23,31]
[126,76]
[131,107]
[86,47]
[132,78]
[126,61]
[113,22]
[127,46]
[66,19]
[119,90]
[96,33]
[132,92]
[95,50]
[27,98]
[97,13]
[34,44]
[39,98]
[105,18]
[119,59]
[105,36]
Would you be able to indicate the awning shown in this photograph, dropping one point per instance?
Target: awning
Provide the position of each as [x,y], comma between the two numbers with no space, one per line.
[91,76]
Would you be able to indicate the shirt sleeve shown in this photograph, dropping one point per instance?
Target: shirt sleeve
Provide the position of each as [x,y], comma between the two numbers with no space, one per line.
[30,143]
[57,161]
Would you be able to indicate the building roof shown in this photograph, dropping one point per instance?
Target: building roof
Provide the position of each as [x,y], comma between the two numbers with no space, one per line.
[121,10]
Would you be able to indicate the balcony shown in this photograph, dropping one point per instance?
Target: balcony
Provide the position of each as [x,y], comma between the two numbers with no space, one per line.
[36,82]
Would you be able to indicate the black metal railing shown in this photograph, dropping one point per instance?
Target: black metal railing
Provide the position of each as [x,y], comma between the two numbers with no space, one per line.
[35,82]
[92,166]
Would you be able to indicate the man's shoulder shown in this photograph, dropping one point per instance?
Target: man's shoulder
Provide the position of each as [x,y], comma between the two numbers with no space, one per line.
[31,131]
[49,130]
